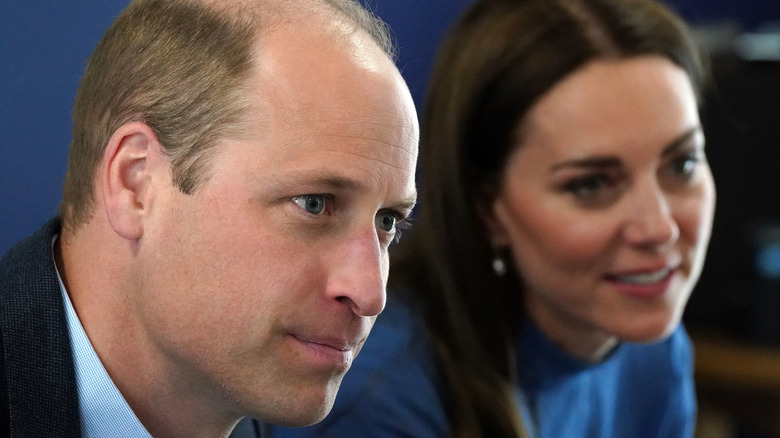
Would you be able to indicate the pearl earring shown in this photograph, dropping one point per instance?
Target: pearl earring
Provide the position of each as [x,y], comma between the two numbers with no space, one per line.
[499,265]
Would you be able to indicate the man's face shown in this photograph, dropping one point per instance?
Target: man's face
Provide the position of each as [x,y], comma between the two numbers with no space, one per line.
[259,289]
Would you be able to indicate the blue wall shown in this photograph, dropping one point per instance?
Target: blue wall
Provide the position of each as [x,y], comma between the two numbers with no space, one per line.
[43,48]
[44,45]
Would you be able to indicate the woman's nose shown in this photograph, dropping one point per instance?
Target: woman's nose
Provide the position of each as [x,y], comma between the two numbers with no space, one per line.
[651,222]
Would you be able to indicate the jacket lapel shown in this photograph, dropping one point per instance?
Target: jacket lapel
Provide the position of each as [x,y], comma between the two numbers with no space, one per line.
[40,376]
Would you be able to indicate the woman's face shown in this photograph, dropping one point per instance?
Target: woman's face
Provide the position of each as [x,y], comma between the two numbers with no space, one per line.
[607,204]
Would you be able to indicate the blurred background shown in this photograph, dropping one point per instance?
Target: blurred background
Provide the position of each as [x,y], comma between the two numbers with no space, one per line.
[734,314]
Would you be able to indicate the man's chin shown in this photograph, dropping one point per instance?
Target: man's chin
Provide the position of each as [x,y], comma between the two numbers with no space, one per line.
[303,419]
[302,411]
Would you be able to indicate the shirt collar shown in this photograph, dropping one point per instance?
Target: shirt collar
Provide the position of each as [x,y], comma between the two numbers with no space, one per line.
[104,412]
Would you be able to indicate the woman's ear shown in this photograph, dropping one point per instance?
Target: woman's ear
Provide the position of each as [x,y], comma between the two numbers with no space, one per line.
[493,214]
[495,223]
[126,178]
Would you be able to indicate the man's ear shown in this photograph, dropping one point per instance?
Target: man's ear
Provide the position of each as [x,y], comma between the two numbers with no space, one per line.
[126,176]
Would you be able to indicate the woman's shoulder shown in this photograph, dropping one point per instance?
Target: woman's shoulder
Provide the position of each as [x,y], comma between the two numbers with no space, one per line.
[398,328]
[675,352]
[658,377]
[639,390]
[398,353]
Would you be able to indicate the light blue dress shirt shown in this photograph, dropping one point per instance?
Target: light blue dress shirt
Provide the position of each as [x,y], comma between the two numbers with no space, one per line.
[104,412]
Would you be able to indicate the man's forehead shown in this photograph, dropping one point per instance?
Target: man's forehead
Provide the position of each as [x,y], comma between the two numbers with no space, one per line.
[309,77]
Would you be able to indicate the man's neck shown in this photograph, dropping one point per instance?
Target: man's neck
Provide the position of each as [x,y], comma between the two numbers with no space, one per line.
[159,394]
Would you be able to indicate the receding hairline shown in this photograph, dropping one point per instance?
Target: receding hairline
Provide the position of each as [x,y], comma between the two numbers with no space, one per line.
[276,12]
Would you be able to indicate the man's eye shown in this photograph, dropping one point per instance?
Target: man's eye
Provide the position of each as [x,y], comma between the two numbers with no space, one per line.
[313,204]
[393,223]
[386,222]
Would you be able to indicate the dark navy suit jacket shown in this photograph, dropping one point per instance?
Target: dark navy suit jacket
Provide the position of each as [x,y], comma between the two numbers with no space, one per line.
[38,396]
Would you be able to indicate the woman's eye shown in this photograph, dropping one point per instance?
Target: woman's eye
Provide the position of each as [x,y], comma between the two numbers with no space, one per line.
[587,187]
[313,204]
[686,165]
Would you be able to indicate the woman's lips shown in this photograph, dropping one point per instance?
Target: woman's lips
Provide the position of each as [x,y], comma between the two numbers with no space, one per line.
[644,283]
[643,278]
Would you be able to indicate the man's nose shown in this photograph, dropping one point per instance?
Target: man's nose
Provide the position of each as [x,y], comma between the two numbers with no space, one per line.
[359,274]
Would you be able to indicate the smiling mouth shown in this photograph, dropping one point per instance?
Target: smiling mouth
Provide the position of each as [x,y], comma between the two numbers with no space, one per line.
[645,278]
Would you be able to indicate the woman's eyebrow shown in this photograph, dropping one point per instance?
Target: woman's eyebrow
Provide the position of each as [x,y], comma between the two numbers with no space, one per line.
[601,162]
[589,162]
[682,140]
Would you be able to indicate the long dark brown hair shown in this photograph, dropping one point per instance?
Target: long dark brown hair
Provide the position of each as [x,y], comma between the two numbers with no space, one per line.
[498,60]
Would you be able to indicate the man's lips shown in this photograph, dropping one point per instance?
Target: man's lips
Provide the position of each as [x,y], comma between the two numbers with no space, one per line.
[326,351]
[334,342]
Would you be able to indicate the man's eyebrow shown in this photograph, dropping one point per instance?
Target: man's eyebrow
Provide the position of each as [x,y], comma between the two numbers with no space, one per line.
[319,180]
[609,161]
[406,204]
